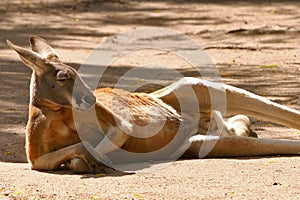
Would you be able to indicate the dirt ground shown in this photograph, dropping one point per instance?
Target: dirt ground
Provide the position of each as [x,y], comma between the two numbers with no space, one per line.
[255,45]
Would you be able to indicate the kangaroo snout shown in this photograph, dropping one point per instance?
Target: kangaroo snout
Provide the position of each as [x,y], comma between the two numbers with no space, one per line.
[83,102]
[89,99]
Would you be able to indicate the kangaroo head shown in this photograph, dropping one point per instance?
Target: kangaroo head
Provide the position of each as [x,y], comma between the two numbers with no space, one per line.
[53,83]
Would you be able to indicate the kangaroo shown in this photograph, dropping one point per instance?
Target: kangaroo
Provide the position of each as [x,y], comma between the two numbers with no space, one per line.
[52,138]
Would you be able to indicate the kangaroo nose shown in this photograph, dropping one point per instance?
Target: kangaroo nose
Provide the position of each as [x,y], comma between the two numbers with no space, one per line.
[90,99]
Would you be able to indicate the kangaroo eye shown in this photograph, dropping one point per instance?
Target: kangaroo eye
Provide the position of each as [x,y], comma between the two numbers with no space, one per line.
[62,76]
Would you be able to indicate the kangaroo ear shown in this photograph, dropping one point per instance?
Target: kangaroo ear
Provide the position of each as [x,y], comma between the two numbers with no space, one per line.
[41,46]
[30,58]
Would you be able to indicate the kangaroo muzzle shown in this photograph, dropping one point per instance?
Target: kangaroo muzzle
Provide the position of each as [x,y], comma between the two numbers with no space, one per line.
[83,102]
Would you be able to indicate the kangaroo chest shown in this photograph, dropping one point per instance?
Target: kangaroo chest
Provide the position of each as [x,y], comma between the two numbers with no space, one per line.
[60,132]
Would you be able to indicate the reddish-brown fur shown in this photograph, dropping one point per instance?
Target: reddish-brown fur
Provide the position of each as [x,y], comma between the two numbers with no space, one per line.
[52,138]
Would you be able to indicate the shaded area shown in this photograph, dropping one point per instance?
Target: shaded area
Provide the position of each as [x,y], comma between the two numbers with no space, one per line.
[13,110]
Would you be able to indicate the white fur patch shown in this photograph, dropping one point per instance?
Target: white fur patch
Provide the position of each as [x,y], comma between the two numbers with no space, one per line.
[196,138]
[190,81]
[32,88]
[126,126]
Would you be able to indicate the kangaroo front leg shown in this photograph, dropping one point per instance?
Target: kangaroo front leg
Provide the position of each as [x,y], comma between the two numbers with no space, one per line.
[113,140]
[55,159]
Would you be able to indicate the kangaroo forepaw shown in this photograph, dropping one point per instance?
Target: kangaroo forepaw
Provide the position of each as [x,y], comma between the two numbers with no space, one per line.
[79,166]
[97,156]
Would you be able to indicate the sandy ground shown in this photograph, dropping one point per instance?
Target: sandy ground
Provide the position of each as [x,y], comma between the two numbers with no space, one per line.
[254,45]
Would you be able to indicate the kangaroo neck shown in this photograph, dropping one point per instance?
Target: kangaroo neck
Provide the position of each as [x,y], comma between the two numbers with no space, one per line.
[35,98]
